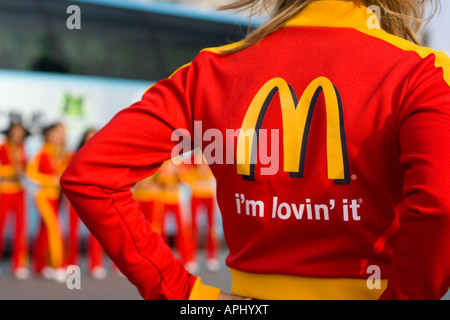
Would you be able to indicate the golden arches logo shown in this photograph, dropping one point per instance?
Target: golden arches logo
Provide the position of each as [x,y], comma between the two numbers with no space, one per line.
[297,116]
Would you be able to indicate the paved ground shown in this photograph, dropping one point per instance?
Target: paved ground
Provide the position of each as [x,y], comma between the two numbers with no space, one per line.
[114,287]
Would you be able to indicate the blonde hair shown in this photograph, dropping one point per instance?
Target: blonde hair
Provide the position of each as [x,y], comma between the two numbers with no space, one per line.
[402,18]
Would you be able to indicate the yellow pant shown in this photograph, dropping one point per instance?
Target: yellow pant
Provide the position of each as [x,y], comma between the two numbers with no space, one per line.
[46,200]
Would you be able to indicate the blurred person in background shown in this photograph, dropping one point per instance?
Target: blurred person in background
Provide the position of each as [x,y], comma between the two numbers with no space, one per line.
[363,113]
[95,253]
[12,197]
[148,193]
[168,177]
[203,199]
[45,170]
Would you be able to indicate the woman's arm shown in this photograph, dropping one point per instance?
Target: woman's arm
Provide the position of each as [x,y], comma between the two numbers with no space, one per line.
[39,171]
[420,268]
[98,182]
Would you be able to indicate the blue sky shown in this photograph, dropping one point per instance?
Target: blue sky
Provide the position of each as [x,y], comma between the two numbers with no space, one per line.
[439,29]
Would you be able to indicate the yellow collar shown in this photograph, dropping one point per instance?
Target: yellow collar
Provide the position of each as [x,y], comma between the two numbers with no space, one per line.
[335,14]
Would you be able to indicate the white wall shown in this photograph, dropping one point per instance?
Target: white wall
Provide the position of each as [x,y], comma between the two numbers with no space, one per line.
[439,29]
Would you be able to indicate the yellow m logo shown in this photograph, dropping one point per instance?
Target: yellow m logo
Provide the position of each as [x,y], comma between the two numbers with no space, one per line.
[297,117]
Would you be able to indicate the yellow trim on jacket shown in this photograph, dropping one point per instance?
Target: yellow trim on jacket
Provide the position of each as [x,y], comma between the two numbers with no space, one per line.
[343,14]
[203,292]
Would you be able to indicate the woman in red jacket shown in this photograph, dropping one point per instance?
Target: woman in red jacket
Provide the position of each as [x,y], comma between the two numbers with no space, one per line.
[168,177]
[149,194]
[201,182]
[44,170]
[333,168]
[12,196]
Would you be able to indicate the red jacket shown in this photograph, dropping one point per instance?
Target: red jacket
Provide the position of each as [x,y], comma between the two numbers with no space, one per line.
[362,179]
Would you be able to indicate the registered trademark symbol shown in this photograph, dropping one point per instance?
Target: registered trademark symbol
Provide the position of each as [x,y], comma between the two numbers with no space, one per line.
[360,200]
[354,177]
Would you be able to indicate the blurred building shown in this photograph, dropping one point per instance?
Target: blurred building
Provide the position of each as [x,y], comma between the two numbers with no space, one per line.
[200,3]
[437,30]
[204,4]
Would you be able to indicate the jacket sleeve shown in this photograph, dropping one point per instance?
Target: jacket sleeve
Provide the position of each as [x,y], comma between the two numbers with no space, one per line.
[98,181]
[421,261]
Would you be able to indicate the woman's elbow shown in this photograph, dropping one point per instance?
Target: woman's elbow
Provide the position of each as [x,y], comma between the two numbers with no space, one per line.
[70,180]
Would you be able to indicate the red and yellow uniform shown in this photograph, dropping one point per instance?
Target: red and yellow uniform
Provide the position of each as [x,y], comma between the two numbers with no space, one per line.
[202,184]
[147,193]
[45,170]
[363,121]
[169,180]
[12,200]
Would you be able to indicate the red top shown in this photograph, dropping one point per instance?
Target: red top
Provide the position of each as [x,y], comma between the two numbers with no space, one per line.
[363,120]
[47,166]
[12,159]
